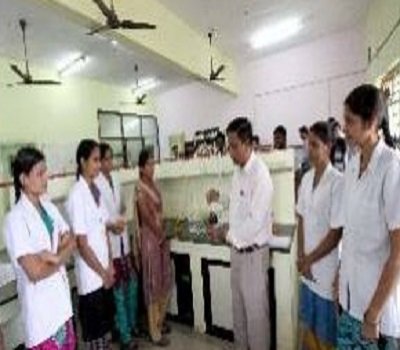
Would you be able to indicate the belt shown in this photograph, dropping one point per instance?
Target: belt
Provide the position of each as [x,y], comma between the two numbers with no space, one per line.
[246,250]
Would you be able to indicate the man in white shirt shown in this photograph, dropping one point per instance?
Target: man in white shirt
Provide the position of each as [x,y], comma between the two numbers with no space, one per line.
[249,228]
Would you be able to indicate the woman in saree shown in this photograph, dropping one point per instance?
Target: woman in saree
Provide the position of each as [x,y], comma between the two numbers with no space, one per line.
[154,249]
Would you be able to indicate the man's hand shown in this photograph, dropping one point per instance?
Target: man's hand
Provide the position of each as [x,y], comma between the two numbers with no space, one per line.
[217,233]
[212,232]
[119,226]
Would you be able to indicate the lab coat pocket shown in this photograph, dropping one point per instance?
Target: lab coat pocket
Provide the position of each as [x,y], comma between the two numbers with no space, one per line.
[370,219]
[94,220]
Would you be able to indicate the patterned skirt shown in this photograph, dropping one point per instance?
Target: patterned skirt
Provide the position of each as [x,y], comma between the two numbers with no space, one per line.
[350,337]
[63,339]
[318,321]
[124,270]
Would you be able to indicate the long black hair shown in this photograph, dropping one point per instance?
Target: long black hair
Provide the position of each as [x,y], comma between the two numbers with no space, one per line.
[84,151]
[144,156]
[323,131]
[368,102]
[23,163]
[104,148]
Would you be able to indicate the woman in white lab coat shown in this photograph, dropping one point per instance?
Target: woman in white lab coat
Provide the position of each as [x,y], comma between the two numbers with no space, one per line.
[39,244]
[318,210]
[126,283]
[369,285]
[93,263]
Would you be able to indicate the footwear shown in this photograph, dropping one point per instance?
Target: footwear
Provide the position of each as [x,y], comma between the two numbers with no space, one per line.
[163,342]
[131,346]
[166,329]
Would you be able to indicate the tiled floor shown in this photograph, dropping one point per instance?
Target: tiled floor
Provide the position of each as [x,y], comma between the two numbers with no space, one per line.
[183,338]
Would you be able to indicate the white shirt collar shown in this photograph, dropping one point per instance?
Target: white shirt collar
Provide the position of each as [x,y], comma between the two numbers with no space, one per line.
[327,170]
[376,154]
[83,182]
[373,163]
[247,167]
[27,204]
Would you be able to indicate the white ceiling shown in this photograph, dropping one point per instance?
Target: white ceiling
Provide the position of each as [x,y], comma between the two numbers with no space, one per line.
[51,38]
[236,20]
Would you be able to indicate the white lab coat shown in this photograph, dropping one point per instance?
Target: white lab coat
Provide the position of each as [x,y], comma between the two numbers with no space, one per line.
[113,203]
[25,234]
[371,209]
[320,209]
[89,219]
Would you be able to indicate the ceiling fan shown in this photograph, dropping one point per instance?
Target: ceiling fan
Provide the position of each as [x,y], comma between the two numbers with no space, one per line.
[26,76]
[215,74]
[140,98]
[113,22]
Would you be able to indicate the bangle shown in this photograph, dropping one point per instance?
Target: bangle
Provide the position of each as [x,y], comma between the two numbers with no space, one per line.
[367,321]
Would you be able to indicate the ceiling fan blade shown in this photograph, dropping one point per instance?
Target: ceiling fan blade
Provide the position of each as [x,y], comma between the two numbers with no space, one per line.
[220,69]
[128,24]
[210,36]
[141,99]
[17,71]
[45,82]
[22,23]
[137,75]
[105,10]
[99,30]
[215,75]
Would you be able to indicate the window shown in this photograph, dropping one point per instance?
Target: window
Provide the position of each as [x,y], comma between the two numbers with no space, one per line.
[128,134]
[391,88]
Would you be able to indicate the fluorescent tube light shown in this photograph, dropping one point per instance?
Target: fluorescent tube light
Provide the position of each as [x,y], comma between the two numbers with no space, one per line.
[275,33]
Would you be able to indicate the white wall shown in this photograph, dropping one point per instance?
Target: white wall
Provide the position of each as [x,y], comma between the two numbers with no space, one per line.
[294,87]
[192,107]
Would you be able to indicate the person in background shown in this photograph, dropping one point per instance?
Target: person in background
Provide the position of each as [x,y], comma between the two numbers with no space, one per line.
[249,228]
[303,132]
[280,138]
[202,150]
[155,250]
[319,233]
[255,142]
[126,283]
[39,245]
[369,275]
[93,264]
[339,152]
[220,144]
[305,163]
[175,152]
